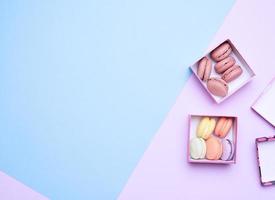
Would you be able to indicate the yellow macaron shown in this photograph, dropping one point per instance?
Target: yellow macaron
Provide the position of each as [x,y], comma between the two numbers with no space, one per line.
[206,127]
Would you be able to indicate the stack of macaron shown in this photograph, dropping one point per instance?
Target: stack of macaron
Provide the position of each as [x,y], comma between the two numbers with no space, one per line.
[225,65]
[211,141]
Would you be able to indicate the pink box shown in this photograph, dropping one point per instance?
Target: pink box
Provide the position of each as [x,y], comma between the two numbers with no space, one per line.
[264,103]
[265,148]
[232,135]
[234,85]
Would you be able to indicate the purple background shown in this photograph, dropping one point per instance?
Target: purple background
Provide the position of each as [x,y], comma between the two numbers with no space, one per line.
[163,172]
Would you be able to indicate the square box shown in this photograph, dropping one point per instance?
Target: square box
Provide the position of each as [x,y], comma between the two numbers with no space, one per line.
[264,103]
[193,122]
[234,85]
[265,148]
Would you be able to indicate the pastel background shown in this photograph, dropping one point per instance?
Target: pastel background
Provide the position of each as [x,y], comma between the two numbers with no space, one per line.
[85,85]
[164,173]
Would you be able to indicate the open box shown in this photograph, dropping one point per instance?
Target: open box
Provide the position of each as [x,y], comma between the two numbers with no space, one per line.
[264,103]
[234,85]
[194,121]
[265,147]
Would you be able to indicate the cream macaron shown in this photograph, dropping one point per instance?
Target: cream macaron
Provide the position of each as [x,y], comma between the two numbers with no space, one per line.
[197,148]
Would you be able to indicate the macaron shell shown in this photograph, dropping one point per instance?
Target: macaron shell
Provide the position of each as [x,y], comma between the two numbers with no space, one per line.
[207,70]
[204,68]
[206,127]
[202,127]
[203,149]
[223,127]
[224,64]
[197,148]
[232,73]
[221,52]
[213,148]
[219,154]
[217,87]
[228,150]
[211,127]
[201,67]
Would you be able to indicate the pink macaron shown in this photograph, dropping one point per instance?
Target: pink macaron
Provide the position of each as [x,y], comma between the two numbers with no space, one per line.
[204,68]
[217,86]
[224,64]
[232,73]
[221,52]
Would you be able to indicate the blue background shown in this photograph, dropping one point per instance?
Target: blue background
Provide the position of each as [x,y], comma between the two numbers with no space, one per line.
[85,85]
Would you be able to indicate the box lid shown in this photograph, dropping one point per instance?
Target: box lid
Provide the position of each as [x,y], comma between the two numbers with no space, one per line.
[264,104]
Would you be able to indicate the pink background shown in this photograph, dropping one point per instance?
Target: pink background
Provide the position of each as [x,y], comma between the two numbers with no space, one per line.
[163,172]
[10,189]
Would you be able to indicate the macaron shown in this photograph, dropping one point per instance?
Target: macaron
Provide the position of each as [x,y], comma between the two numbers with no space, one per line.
[223,126]
[221,52]
[204,68]
[228,150]
[197,148]
[232,73]
[217,87]
[206,127]
[213,148]
[224,64]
